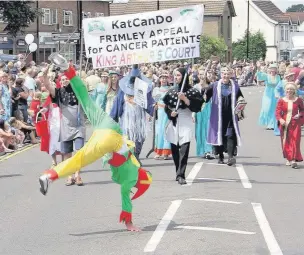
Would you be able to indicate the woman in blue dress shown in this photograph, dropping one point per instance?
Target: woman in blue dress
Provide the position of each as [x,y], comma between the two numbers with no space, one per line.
[162,146]
[269,102]
[105,94]
[201,120]
[5,97]
[98,95]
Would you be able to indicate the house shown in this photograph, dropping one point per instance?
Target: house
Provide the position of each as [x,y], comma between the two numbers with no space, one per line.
[217,18]
[277,27]
[58,22]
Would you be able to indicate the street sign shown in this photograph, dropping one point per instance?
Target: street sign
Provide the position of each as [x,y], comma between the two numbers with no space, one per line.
[66,36]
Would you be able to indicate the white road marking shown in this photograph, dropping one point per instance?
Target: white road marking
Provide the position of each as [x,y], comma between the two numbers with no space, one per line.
[193,173]
[215,200]
[271,242]
[216,164]
[217,179]
[162,226]
[243,176]
[218,230]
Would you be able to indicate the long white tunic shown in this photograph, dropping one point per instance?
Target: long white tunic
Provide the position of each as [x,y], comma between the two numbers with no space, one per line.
[183,131]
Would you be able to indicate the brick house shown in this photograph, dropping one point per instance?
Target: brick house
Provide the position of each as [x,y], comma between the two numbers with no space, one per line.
[217,18]
[60,17]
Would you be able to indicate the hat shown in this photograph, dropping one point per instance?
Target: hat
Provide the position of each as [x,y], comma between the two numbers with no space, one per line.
[113,72]
[289,73]
[273,66]
[126,84]
[104,74]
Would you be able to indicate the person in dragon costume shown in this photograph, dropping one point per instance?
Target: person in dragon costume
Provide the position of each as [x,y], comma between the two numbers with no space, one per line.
[106,141]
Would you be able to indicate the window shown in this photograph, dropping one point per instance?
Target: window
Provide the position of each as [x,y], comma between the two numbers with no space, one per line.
[99,14]
[67,18]
[46,16]
[284,33]
[284,55]
[294,28]
[54,17]
[1,18]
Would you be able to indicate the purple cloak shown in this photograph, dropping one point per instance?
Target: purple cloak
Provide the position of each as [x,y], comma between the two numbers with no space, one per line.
[215,125]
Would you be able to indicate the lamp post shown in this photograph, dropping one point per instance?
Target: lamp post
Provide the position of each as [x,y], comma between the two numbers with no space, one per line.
[36,55]
[247,52]
[79,27]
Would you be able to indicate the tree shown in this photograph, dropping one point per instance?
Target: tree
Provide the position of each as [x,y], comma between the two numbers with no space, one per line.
[18,15]
[296,8]
[257,47]
[212,46]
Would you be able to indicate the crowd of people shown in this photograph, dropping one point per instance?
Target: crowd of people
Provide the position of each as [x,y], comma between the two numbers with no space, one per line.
[179,95]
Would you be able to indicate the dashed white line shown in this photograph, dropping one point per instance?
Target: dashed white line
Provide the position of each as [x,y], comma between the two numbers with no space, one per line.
[243,176]
[193,173]
[217,179]
[271,242]
[217,230]
[162,226]
[215,200]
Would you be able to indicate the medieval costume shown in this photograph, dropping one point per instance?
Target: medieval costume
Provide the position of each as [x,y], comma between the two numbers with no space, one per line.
[162,146]
[132,117]
[203,149]
[289,113]
[224,133]
[99,93]
[179,129]
[106,140]
[269,102]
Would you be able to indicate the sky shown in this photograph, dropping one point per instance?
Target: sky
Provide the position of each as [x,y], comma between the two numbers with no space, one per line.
[282,4]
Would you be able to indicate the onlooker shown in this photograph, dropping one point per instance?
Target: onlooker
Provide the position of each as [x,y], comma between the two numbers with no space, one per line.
[72,124]
[5,93]
[20,95]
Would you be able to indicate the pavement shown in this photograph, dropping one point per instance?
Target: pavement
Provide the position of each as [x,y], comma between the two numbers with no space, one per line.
[252,208]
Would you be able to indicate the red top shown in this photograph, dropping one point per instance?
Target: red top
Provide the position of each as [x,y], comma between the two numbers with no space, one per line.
[35,106]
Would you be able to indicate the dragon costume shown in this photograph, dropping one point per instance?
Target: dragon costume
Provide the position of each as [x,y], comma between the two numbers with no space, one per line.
[106,141]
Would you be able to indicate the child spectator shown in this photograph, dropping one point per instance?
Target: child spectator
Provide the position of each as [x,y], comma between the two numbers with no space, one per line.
[7,138]
[35,105]
[25,128]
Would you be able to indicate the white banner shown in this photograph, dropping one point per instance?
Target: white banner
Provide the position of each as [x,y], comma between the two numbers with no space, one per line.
[144,37]
[140,93]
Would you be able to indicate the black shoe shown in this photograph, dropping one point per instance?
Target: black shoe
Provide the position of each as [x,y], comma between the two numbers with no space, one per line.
[209,156]
[181,181]
[231,162]
[221,159]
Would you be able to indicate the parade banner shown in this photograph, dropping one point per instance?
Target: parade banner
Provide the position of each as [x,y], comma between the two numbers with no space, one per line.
[157,36]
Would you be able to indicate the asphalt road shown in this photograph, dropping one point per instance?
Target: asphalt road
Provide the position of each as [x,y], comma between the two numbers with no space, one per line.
[253,208]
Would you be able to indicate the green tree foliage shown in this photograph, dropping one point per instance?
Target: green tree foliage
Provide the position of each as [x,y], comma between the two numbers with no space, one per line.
[18,15]
[212,46]
[257,47]
[296,8]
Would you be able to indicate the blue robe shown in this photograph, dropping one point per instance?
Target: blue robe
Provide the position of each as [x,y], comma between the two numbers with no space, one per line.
[269,104]
[201,129]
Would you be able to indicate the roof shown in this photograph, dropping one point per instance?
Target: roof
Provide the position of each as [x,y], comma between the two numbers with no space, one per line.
[295,18]
[212,8]
[269,8]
